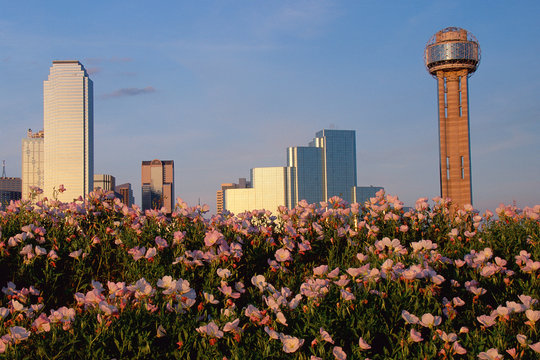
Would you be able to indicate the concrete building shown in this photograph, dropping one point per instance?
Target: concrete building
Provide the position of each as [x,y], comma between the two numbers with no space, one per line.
[451,56]
[271,188]
[157,180]
[33,162]
[126,193]
[10,189]
[242,184]
[69,127]
[105,182]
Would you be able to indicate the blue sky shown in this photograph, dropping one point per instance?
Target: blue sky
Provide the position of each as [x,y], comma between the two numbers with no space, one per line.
[223,86]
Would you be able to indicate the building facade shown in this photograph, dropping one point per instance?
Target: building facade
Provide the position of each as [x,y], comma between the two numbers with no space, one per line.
[271,188]
[69,127]
[126,193]
[315,173]
[326,168]
[105,182]
[451,56]
[242,184]
[10,189]
[157,180]
[33,162]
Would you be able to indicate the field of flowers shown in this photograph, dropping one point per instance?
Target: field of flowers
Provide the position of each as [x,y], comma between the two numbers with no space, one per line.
[97,279]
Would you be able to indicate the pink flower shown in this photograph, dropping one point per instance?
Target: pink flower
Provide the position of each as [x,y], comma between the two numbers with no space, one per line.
[150,253]
[42,323]
[409,318]
[320,270]
[363,344]
[354,272]
[161,243]
[232,326]
[76,254]
[212,237]
[290,343]
[18,333]
[533,316]
[339,354]
[326,336]
[137,252]
[535,347]
[416,336]
[211,329]
[283,255]
[273,334]
[486,320]
[259,281]
[223,273]
[429,320]
[491,354]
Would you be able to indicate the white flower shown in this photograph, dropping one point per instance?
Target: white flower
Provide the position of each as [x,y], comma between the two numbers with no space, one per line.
[291,343]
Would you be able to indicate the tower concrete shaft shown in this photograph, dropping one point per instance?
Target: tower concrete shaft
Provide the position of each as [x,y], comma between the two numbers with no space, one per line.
[455,159]
[451,56]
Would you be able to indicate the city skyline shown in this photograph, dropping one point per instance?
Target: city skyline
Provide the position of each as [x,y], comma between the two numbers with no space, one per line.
[218,85]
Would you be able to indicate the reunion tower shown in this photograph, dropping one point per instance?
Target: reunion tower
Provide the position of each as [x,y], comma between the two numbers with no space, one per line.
[451,56]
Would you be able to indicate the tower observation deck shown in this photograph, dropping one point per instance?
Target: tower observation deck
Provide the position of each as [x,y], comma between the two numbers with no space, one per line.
[451,56]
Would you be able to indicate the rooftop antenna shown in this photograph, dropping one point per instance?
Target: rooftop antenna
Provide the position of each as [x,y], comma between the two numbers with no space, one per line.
[4,168]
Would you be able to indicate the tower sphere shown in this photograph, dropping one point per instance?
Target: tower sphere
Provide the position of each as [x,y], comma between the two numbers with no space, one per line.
[452,48]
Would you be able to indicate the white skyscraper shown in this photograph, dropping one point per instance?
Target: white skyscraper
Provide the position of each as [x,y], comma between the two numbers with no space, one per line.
[69,130]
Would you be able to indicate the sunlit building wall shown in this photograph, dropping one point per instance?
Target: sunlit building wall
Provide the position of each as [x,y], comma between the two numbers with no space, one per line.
[271,189]
[105,182]
[32,163]
[68,125]
[157,180]
[242,184]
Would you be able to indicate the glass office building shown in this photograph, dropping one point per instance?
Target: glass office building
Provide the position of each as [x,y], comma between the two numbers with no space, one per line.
[308,175]
[315,173]
[338,162]
[69,127]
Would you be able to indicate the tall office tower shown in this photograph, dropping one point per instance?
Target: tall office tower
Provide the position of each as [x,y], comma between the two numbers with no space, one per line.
[242,184]
[126,193]
[69,128]
[326,168]
[157,178]
[105,182]
[451,56]
[32,162]
[338,161]
[308,175]
[271,188]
